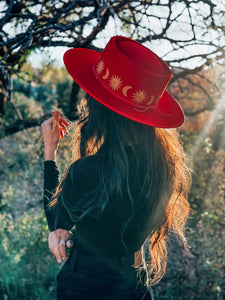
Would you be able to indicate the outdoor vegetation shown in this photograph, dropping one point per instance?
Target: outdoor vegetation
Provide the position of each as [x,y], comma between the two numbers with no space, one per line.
[189,35]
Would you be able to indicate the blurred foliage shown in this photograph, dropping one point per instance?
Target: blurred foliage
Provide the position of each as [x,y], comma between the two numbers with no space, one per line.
[28,269]
[198,272]
[37,92]
[27,106]
[63,89]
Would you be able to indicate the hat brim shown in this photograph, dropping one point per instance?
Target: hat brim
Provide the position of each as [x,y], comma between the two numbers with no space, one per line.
[79,63]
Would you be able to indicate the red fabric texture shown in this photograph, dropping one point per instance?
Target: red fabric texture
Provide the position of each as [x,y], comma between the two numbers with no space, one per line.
[129,79]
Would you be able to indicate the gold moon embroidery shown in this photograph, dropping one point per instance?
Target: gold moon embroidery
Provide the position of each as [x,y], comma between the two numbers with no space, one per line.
[125,89]
[106,74]
[152,99]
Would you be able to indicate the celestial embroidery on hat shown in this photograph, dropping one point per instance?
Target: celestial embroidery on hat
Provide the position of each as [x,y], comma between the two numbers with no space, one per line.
[125,89]
[139,96]
[100,67]
[150,102]
[106,74]
[115,82]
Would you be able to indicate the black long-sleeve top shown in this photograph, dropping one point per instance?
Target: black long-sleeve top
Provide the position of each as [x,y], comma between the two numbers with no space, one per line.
[102,234]
[51,181]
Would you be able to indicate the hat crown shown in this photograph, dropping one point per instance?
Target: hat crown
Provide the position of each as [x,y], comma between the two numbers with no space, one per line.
[140,56]
[132,72]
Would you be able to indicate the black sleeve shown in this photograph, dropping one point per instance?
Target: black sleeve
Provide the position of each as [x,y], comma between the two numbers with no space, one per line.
[57,216]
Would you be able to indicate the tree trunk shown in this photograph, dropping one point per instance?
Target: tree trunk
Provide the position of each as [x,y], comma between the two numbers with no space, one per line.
[74,97]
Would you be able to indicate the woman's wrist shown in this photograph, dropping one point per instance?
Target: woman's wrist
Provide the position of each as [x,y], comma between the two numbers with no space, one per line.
[50,154]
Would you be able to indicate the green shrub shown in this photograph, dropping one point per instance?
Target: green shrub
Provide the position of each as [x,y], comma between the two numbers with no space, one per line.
[27,107]
[28,269]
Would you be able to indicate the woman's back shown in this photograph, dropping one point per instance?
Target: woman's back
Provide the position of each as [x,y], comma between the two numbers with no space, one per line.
[121,226]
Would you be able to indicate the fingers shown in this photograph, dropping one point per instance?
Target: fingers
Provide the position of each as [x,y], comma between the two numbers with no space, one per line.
[62,249]
[59,250]
[61,123]
[55,115]
[53,243]
[55,118]
[47,123]
[63,126]
[58,241]
[64,121]
[69,244]
[46,127]
[56,124]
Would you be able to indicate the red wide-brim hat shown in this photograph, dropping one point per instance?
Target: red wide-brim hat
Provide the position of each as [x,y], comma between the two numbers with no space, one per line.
[129,79]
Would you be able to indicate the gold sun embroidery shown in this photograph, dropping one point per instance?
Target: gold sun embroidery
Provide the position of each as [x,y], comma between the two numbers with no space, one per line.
[100,67]
[115,82]
[139,96]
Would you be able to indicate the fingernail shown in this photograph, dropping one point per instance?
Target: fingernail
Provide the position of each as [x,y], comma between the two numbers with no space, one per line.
[59,260]
[64,258]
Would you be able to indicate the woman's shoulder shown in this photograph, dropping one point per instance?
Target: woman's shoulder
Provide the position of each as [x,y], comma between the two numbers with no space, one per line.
[86,168]
[87,162]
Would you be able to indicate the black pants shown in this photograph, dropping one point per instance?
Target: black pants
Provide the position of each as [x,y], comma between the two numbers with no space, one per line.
[88,277]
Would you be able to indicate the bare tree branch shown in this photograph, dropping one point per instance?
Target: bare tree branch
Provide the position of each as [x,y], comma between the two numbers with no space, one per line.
[178,27]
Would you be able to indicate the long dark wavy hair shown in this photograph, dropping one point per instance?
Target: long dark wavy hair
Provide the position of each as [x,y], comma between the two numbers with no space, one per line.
[160,163]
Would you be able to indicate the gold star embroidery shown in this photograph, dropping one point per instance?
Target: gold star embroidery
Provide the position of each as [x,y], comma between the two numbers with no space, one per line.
[139,96]
[100,67]
[115,82]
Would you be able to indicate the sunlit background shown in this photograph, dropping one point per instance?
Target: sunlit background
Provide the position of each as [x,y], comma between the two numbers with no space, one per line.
[189,35]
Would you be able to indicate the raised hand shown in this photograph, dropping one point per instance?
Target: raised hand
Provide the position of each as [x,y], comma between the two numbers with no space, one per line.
[52,129]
